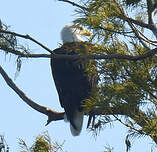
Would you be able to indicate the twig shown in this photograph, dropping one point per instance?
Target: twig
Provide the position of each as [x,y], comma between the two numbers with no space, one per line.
[129,126]
[143,37]
[74,4]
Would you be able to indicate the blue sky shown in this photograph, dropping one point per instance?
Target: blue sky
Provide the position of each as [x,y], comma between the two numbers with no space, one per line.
[43,20]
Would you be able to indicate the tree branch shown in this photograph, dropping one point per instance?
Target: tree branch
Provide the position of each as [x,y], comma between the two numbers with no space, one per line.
[140,23]
[52,115]
[150,11]
[74,4]
[21,54]
[151,26]
[109,56]
[26,37]
[89,56]
[137,115]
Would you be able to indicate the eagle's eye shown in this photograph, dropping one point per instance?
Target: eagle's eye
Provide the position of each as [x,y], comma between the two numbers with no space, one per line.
[81,28]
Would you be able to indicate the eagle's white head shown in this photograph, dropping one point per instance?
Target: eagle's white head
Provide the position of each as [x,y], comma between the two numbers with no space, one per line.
[74,33]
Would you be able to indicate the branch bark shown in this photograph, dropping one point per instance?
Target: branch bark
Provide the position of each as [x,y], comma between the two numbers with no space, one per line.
[52,115]
[110,56]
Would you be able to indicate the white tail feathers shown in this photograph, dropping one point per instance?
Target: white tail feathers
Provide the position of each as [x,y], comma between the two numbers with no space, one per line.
[78,121]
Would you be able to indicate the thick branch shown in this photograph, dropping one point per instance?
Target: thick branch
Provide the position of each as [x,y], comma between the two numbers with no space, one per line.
[45,110]
[98,57]
[101,56]
[109,56]
[52,115]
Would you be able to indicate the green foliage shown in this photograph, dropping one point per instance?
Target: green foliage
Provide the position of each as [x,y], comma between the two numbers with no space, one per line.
[9,43]
[7,40]
[102,18]
[126,87]
[42,143]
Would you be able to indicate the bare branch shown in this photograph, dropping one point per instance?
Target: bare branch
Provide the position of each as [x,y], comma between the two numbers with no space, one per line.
[52,115]
[21,54]
[26,37]
[136,32]
[47,111]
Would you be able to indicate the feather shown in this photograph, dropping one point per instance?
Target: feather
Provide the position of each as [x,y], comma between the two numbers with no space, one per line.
[76,125]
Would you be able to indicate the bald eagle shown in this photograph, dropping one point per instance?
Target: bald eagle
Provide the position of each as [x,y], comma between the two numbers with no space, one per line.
[73,82]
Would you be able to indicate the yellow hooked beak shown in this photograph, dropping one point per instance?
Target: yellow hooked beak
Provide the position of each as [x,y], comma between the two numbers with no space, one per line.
[86,32]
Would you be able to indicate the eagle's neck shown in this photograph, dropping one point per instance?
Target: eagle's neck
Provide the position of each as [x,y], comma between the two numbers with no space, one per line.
[77,38]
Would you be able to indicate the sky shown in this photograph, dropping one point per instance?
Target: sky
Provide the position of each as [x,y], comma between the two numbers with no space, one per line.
[43,20]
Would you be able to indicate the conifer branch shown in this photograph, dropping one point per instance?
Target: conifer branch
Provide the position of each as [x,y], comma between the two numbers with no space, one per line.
[109,56]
